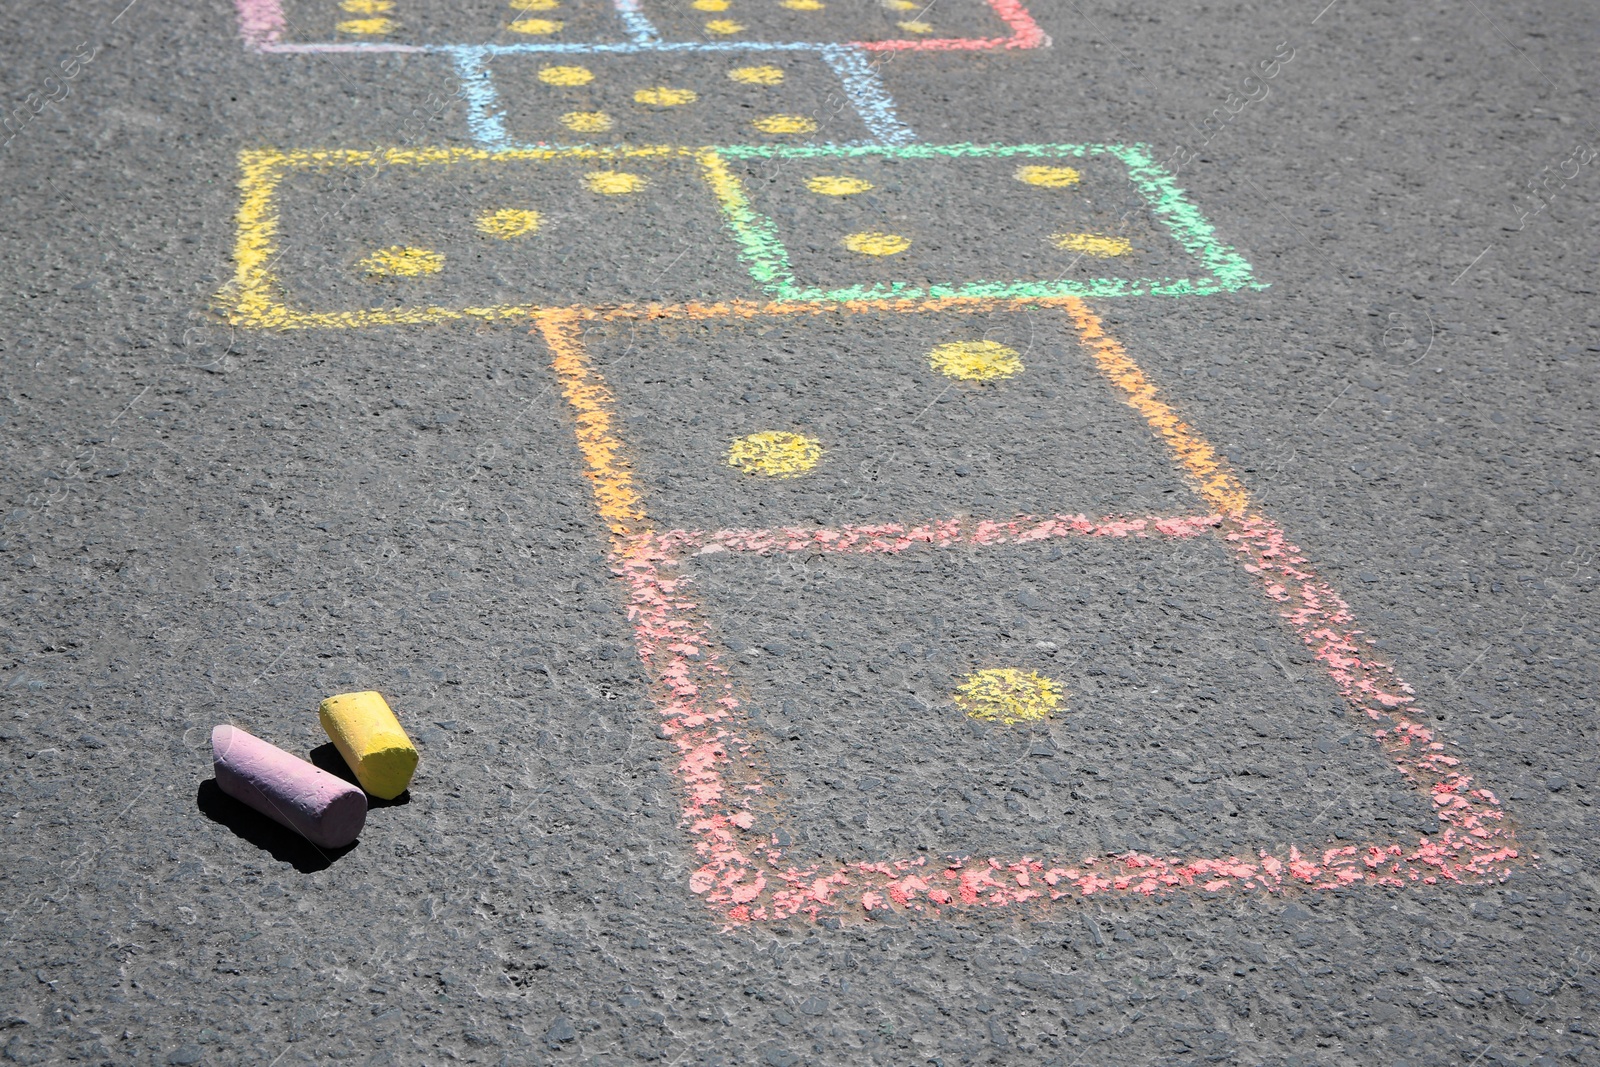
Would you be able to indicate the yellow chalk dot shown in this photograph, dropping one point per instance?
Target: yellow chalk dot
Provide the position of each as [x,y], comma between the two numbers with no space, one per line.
[1092,244]
[976,361]
[710,5]
[535,27]
[535,5]
[401,261]
[508,222]
[916,26]
[566,75]
[614,182]
[367,7]
[775,454]
[837,185]
[877,244]
[901,5]
[1008,696]
[723,27]
[785,124]
[366,26]
[1049,177]
[803,5]
[660,97]
[586,121]
[762,75]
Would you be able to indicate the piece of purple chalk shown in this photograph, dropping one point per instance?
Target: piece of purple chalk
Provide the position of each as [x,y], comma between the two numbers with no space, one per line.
[324,809]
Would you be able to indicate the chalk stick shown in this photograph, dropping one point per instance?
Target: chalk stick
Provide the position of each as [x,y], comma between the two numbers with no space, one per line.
[371,741]
[320,807]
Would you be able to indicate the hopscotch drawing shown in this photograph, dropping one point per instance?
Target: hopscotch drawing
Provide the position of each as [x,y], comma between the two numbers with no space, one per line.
[874,471]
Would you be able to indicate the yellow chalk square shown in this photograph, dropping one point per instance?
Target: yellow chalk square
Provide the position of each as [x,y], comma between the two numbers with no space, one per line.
[371,740]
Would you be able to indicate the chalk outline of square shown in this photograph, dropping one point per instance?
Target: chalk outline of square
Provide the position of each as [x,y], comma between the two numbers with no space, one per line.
[744,876]
[254,298]
[768,259]
[262,24]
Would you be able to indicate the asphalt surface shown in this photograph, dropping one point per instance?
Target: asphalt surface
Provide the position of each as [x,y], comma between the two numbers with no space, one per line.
[206,523]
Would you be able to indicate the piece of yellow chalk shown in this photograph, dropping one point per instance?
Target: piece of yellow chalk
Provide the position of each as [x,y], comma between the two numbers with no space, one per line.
[371,740]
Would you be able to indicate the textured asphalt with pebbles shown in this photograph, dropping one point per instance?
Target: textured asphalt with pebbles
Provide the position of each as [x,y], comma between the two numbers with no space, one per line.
[206,524]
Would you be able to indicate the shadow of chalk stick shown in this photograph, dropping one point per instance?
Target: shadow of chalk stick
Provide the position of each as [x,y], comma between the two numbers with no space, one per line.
[327,757]
[284,844]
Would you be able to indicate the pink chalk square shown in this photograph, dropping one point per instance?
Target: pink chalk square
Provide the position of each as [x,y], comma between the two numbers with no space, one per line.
[1171,714]
[750,872]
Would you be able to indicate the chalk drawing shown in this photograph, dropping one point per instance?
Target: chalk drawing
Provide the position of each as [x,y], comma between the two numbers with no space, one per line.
[976,361]
[402,262]
[1007,695]
[262,26]
[614,182]
[366,27]
[641,31]
[663,97]
[373,17]
[535,27]
[566,75]
[729,808]
[837,185]
[875,243]
[508,222]
[785,124]
[857,77]
[744,875]
[587,121]
[765,74]
[255,298]
[1223,269]
[775,454]
[1092,244]
[1049,177]
[865,91]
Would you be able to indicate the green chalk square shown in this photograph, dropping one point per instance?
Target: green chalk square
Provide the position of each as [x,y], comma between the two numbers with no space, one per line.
[792,240]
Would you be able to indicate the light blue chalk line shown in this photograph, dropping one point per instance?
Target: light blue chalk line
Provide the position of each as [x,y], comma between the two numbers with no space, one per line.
[867,92]
[638,24]
[484,120]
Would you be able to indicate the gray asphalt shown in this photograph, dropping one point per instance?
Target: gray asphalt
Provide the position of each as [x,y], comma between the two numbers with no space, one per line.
[207,523]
